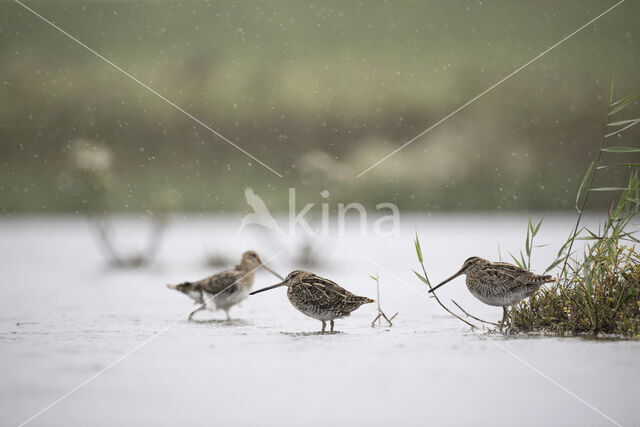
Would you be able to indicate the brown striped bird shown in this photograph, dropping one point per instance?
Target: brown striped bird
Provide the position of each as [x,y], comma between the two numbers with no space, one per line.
[498,283]
[225,289]
[318,298]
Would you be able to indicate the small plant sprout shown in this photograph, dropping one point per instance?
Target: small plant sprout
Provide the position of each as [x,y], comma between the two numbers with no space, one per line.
[532,231]
[381,314]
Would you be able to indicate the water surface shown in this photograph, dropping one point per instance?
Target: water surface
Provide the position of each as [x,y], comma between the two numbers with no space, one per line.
[65,316]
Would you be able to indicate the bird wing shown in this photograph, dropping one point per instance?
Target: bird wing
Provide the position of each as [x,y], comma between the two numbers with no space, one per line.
[225,280]
[326,294]
[509,276]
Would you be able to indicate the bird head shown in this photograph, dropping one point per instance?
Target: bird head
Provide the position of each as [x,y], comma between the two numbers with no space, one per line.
[470,265]
[292,278]
[251,261]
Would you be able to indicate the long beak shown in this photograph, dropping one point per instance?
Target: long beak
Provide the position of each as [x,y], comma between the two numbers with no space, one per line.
[174,287]
[272,272]
[447,281]
[268,288]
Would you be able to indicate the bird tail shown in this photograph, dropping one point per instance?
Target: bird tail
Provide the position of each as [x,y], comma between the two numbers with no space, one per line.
[179,286]
[544,279]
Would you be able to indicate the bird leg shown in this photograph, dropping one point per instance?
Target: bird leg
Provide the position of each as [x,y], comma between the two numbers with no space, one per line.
[195,311]
[228,317]
[505,316]
[324,325]
[331,325]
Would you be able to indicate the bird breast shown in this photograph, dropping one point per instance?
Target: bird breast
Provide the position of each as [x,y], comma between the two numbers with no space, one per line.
[499,296]
[195,295]
[227,298]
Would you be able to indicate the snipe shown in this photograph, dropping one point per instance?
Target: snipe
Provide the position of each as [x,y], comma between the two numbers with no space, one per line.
[318,298]
[498,283]
[225,289]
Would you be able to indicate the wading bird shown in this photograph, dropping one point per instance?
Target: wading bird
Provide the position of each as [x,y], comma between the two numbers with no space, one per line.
[318,298]
[225,289]
[498,283]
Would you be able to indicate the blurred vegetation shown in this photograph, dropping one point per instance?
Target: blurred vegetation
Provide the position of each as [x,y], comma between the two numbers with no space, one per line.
[319,91]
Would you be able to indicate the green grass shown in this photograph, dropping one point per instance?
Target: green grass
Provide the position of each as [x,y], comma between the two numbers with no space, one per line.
[598,291]
[602,297]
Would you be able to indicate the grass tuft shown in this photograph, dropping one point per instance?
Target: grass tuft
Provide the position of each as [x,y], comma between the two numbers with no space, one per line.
[599,291]
[603,297]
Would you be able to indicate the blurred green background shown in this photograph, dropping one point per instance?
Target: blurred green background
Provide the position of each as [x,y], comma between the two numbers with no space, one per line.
[319,91]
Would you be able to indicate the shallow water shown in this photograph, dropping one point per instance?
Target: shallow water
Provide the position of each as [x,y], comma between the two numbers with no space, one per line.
[65,316]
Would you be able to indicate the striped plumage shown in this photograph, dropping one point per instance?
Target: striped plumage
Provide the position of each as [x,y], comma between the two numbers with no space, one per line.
[319,298]
[499,283]
[225,289]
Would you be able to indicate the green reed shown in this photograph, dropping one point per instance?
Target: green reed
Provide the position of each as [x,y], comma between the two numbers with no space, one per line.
[599,290]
